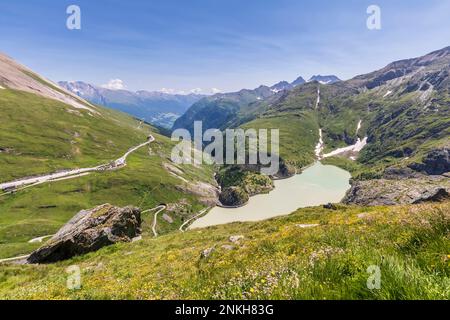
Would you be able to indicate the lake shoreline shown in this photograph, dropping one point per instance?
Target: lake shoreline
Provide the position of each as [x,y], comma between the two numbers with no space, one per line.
[318,184]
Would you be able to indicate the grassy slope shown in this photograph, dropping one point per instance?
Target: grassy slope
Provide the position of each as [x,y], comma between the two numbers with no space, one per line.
[299,121]
[277,259]
[45,136]
[295,117]
[298,135]
[394,125]
[50,146]
[404,123]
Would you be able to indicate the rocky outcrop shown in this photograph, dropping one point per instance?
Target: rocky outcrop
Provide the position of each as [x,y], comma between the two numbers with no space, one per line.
[435,162]
[419,182]
[285,170]
[6,150]
[255,184]
[236,239]
[330,206]
[207,194]
[206,253]
[90,230]
[435,194]
[397,191]
[393,173]
[233,197]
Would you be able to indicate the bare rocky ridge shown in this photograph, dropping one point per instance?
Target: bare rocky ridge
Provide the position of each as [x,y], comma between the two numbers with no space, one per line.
[90,230]
[436,162]
[19,77]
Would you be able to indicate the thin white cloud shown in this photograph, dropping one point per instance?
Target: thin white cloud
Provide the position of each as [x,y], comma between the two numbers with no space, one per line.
[114,84]
[167,90]
[192,91]
[196,90]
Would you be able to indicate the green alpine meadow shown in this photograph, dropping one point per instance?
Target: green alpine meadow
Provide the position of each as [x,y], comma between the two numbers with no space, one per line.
[163,151]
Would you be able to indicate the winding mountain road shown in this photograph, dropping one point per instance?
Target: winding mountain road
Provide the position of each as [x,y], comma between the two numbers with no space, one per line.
[155,217]
[40,239]
[18,185]
[192,219]
[8,260]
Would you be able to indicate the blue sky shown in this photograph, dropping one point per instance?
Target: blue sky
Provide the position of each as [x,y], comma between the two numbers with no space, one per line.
[224,44]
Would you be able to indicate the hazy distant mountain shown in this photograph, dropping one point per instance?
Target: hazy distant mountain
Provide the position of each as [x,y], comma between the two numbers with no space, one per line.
[282,85]
[325,79]
[298,81]
[215,111]
[155,107]
[224,109]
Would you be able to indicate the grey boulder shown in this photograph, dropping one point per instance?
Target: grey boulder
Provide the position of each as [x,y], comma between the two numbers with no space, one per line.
[90,230]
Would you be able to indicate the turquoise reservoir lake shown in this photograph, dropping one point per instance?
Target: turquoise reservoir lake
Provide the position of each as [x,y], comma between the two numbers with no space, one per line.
[317,185]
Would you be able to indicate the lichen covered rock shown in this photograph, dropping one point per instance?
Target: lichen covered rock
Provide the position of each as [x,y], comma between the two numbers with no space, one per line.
[397,191]
[90,230]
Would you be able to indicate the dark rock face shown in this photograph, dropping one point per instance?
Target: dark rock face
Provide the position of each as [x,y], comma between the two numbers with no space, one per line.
[5,150]
[388,75]
[89,231]
[233,197]
[393,173]
[285,170]
[439,194]
[435,163]
[329,206]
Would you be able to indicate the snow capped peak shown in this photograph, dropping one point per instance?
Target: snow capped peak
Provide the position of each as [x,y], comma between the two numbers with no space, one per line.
[284,85]
[280,86]
[324,79]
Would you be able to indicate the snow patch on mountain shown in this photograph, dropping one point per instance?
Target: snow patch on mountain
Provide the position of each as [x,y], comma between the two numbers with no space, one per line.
[387,93]
[357,147]
[324,79]
[319,146]
[359,126]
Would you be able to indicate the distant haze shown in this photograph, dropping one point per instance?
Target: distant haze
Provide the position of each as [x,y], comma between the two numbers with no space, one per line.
[210,46]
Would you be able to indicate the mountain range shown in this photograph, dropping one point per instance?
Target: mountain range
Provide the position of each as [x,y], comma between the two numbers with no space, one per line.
[392,124]
[155,107]
[401,107]
[221,110]
[48,130]
[325,79]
